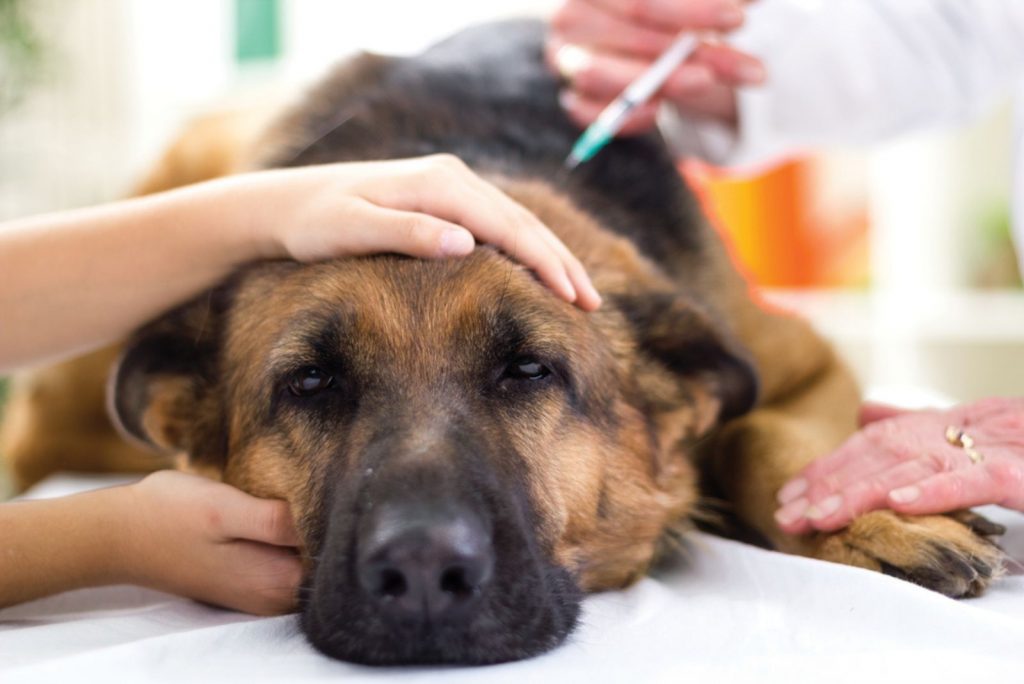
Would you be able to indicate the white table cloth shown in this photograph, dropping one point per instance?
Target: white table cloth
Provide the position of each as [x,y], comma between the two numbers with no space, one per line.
[723,611]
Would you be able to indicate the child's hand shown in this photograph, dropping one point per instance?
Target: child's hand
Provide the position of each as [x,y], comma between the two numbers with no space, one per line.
[209,541]
[430,207]
[141,257]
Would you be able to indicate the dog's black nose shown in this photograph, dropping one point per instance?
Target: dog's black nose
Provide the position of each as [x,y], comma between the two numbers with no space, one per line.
[421,564]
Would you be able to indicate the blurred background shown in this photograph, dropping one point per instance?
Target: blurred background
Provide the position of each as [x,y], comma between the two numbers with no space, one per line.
[900,254]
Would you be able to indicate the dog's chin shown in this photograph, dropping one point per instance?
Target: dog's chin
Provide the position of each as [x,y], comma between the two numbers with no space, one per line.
[532,616]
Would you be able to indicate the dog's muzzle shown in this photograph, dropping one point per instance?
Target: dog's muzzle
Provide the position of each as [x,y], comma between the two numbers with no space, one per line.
[424,564]
[434,561]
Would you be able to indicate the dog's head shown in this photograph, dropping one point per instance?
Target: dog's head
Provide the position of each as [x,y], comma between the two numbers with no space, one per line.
[464,453]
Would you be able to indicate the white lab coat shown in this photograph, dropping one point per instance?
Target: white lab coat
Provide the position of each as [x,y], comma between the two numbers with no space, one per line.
[862,71]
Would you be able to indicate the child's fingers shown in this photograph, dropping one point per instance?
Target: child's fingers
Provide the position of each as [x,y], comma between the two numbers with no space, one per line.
[268,521]
[498,221]
[252,577]
[443,187]
[374,229]
[587,297]
[495,218]
[274,591]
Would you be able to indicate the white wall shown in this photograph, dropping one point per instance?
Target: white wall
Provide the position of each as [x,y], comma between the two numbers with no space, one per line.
[121,74]
[928,194]
[126,73]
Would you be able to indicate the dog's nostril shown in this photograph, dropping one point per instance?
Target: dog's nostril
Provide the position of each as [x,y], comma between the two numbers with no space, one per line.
[392,583]
[455,582]
[417,565]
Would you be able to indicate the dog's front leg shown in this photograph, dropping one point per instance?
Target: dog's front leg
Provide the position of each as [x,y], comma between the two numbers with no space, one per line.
[755,455]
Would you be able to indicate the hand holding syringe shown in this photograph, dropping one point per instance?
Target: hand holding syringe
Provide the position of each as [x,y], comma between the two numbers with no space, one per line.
[601,47]
[614,116]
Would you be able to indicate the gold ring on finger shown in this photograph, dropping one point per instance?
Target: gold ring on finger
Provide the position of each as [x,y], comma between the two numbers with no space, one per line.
[955,436]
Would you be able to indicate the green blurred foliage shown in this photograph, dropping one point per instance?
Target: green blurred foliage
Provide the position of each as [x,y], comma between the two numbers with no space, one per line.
[995,262]
[21,52]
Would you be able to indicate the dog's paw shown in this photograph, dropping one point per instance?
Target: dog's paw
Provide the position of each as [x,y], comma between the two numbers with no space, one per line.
[952,554]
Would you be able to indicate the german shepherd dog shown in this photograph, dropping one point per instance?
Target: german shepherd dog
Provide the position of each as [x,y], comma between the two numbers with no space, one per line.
[467,455]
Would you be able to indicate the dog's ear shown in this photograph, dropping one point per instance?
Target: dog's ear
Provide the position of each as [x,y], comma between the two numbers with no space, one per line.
[161,391]
[696,349]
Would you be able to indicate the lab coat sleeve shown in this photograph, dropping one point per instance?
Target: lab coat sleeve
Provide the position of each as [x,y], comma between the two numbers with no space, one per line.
[860,71]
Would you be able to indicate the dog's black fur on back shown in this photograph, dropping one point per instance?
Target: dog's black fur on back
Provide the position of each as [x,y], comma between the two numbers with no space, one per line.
[486,96]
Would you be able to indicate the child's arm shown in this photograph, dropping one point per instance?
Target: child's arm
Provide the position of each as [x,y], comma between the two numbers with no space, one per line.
[171,531]
[75,280]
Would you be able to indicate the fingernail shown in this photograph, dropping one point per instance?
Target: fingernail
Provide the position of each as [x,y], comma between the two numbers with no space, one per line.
[792,490]
[591,292]
[570,59]
[567,288]
[456,242]
[750,72]
[904,494]
[825,508]
[789,514]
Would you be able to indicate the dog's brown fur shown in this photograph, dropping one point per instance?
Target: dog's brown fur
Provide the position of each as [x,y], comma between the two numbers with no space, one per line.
[604,513]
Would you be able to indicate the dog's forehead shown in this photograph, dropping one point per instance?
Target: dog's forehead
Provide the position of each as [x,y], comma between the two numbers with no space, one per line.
[390,302]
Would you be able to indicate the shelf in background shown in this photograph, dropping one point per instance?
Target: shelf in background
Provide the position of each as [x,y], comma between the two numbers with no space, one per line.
[964,344]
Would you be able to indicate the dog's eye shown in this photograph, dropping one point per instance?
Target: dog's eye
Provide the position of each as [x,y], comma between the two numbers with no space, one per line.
[527,368]
[309,380]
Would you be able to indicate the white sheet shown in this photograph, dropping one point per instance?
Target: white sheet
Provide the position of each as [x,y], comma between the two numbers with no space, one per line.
[730,611]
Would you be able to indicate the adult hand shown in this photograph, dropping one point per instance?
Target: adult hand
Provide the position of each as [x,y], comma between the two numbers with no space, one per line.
[428,207]
[903,460]
[601,46]
[206,540]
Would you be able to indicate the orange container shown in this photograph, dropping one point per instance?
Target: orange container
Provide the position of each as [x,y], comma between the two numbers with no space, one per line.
[778,230]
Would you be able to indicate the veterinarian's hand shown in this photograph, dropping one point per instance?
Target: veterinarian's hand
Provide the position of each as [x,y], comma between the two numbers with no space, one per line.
[601,46]
[428,207]
[904,460]
[206,540]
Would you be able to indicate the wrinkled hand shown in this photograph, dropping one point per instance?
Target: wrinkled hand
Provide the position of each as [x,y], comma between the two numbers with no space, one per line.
[194,537]
[430,207]
[601,46]
[903,461]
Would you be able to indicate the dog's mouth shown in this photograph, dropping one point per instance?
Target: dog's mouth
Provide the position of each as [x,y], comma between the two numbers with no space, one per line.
[428,576]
